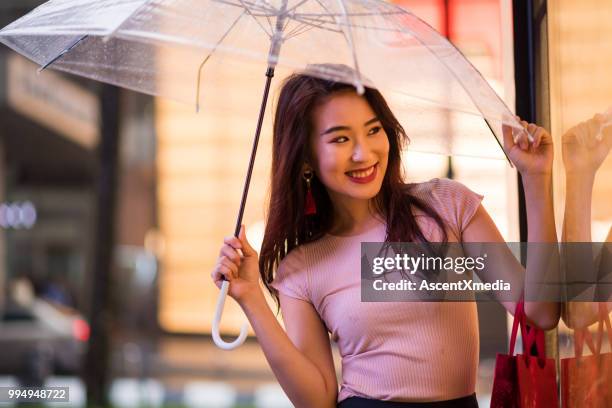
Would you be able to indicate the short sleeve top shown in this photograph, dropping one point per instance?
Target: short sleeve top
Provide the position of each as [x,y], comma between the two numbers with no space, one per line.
[400,351]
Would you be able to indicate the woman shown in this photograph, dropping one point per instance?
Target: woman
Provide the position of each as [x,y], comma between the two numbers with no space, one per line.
[337,154]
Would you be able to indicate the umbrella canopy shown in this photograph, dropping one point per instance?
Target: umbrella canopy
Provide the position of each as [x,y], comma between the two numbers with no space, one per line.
[177,48]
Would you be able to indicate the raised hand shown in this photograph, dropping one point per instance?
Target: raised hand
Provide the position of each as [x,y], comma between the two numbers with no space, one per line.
[586,145]
[531,157]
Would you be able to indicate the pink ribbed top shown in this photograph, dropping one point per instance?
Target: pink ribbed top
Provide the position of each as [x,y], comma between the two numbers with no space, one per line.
[400,351]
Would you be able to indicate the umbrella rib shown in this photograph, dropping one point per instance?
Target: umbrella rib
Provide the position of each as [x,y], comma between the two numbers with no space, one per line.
[269,23]
[118,27]
[295,31]
[64,52]
[371,14]
[296,6]
[269,7]
[254,18]
[454,74]
[308,19]
[270,10]
[148,37]
[304,27]
[309,22]
[286,23]
[335,21]
[327,14]
[313,17]
[497,140]
[349,38]
[299,29]
[253,7]
[318,18]
[210,54]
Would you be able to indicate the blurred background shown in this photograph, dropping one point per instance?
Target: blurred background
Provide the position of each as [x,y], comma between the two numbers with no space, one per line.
[106,248]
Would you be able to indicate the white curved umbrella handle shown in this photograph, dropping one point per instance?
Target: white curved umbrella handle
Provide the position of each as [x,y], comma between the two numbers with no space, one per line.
[217,319]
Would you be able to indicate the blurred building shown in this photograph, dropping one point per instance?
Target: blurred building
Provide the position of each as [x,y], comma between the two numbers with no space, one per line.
[49,165]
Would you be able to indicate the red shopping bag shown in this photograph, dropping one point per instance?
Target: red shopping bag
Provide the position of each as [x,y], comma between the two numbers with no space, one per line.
[586,381]
[537,375]
[505,385]
[524,381]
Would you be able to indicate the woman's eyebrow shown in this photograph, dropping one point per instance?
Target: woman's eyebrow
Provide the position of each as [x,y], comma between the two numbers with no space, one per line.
[338,128]
[369,122]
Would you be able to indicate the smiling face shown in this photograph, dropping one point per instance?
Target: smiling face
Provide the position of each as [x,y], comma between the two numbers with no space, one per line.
[349,148]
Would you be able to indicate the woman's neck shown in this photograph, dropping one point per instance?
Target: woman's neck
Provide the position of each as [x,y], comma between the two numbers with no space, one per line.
[354,220]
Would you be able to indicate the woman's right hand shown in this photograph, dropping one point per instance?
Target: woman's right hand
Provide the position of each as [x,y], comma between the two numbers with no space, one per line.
[531,158]
[238,263]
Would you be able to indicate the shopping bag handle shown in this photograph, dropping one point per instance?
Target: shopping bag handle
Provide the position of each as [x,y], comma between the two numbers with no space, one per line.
[519,316]
[604,316]
[584,335]
[529,335]
[532,335]
[217,320]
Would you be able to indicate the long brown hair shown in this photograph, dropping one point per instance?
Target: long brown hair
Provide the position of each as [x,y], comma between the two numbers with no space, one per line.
[286,226]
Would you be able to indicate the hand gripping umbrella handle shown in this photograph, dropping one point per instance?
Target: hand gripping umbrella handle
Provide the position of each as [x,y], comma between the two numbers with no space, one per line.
[217,319]
[225,285]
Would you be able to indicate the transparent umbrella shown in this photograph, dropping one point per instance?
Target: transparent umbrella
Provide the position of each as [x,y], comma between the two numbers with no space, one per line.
[178,48]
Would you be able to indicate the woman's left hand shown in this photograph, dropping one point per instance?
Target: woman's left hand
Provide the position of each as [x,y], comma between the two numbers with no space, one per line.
[530,158]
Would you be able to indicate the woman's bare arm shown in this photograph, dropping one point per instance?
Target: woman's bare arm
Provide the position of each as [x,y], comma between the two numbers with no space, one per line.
[543,256]
[504,265]
[301,357]
[533,159]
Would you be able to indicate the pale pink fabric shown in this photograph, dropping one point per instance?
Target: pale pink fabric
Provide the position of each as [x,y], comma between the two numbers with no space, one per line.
[402,351]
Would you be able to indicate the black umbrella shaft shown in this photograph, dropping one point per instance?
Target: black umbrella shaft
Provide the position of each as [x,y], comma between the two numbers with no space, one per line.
[247,182]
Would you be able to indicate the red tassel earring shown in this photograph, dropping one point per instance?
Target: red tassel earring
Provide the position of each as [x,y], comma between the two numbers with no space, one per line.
[310,208]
